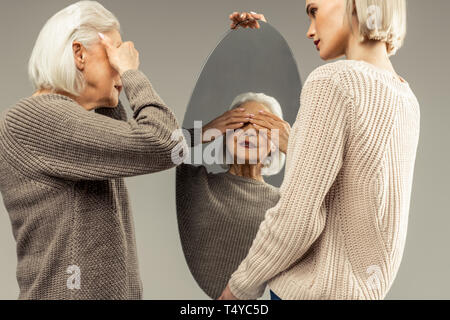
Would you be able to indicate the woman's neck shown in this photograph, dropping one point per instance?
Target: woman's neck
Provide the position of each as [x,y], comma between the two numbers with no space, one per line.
[252,171]
[371,51]
[41,92]
[86,105]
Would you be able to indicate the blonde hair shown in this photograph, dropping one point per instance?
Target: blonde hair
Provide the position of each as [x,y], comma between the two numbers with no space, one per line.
[383,20]
[52,64]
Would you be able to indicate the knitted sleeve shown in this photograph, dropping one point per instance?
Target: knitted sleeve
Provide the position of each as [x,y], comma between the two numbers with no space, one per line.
[73,143]
[316,150]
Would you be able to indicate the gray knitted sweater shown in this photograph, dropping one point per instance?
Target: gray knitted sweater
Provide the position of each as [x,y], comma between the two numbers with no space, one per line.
[61,179]
[218,218]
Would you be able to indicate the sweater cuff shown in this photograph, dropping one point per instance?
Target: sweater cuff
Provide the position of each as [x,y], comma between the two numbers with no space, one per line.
[139,90]
[240,289]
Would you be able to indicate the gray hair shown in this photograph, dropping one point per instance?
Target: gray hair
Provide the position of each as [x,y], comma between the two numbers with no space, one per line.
[52,64]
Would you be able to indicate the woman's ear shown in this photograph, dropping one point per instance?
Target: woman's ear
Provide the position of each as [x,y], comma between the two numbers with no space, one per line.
[267,160]
[79,55]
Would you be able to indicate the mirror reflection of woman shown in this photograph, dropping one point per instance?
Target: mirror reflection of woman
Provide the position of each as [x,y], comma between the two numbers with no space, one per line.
[339,229]
[219,213]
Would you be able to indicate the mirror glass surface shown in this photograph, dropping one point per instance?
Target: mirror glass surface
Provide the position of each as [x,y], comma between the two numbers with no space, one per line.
[219,212]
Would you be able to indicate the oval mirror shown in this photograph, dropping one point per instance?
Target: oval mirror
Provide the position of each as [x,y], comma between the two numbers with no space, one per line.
[221,201]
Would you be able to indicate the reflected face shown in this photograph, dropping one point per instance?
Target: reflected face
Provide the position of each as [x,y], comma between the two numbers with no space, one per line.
[101,78]
[329,27]
[248,144]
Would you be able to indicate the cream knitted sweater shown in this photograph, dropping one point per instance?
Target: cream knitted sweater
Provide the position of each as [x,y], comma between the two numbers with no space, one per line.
[339,229]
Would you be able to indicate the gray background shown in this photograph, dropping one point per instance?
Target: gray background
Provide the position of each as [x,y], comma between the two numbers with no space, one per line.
[245,60]
[174,39]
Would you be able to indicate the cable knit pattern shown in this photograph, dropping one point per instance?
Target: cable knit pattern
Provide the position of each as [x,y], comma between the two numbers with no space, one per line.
[339,229]
[61,178]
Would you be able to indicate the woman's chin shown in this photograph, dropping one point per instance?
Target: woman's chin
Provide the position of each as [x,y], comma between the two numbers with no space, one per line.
[323,56]
[112,102]
[246,161]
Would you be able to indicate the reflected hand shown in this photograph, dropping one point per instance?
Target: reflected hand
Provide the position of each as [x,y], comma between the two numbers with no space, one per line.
[269,121]
[246,20]
[232,119]
[227,295]
[123,58]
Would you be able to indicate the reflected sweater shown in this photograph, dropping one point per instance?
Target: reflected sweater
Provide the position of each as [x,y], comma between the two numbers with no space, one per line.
[61,179]
[339,229]
[218,216]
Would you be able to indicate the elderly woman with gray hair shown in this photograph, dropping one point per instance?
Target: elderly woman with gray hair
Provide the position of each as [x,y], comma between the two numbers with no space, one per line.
[219,213]
[64,153]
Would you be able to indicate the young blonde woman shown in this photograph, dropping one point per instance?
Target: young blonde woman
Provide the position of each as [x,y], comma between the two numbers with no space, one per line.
[339,229]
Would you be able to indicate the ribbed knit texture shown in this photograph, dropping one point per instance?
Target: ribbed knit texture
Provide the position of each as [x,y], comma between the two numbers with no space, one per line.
[218,217]
[339,229]
[61,178]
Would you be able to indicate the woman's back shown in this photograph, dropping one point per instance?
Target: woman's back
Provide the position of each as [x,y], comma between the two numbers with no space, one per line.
[345,197]
[381,153]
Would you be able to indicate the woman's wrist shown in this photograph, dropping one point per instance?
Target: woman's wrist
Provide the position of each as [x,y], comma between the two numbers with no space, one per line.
[122,71]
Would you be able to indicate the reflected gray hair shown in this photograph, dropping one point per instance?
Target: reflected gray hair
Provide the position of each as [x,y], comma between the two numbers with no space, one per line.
[52,64]
[276,160]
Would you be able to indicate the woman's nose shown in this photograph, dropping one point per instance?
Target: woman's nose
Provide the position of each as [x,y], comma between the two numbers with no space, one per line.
[311,32]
